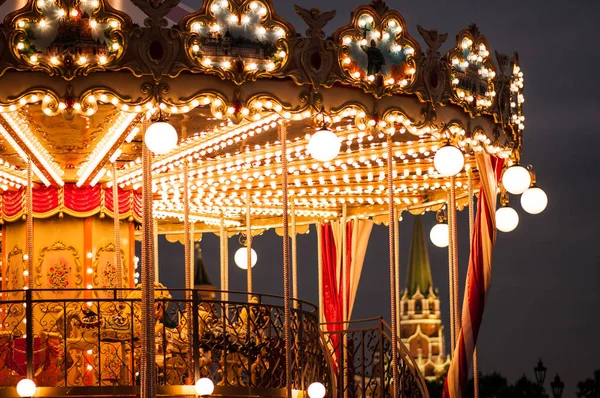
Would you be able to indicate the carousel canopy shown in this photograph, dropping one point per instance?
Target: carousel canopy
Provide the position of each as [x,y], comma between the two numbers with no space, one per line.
[227,77]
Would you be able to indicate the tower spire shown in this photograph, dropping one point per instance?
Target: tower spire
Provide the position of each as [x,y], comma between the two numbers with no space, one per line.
[419,270]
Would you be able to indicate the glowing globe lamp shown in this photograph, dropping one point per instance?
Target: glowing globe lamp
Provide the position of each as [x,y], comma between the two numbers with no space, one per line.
[324,145]
[316,390]
[160,138]
[534,200]
[516,179]
[507,219]
[439,235]
[26,388]
[241,257]
[449,161]
[204,387]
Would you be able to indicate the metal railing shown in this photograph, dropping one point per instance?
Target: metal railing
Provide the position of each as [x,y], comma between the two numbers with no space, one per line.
[362,354]
[92,339]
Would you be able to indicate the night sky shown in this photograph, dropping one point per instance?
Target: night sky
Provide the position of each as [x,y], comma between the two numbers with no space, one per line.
[543,301]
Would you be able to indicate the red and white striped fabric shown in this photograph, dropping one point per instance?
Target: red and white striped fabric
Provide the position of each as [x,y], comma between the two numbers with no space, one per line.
[479,275]
[334,288]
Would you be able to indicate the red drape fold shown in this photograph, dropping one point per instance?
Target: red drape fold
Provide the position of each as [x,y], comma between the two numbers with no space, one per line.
[77,200]
[479,276]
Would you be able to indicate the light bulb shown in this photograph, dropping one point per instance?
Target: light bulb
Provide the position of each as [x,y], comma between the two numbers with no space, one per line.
[26,388]
[161,138]
[534,200]
[241,257]
[324,145]
[507,219]
[316,390]
[449,161]
[516,179]
[204,387]
[439,235]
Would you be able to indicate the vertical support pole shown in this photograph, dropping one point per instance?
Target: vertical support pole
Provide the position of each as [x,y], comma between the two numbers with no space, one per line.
[320,270]
[249,244]
[450,279]
[382,373]
[29,225]
[226,264]
[155,249]
[148,368]
[131,241]
[294,255]
[189,281]
[454,245]
[29,332]
[222,255]
[392,239]
[195,331]
[397,214]
[286,259]
[117,231]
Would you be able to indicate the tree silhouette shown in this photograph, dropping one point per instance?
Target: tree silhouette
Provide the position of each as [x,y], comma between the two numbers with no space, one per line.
[589,388]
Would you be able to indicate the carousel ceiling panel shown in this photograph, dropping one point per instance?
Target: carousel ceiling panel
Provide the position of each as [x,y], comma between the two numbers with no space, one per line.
[72,140]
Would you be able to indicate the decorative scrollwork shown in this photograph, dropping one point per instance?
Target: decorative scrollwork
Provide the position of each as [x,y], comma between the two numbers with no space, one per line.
[239,40]
[366,352]
[472,73]
[67,38]
[64,267]
[377,53]
[433,83]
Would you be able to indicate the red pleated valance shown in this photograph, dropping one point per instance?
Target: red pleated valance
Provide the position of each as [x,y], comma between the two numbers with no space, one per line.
[71,200]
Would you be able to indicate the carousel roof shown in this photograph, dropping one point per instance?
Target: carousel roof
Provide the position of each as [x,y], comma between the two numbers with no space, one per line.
[81,83]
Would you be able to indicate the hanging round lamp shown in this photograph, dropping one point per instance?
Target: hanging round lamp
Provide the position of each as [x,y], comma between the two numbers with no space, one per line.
[241,257]
[161,137]
[449,160]
[516,179]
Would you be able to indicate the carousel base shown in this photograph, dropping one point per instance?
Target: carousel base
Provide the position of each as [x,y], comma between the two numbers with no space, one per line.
[162,391]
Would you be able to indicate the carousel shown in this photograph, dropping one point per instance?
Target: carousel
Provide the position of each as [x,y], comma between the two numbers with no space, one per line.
[230,122]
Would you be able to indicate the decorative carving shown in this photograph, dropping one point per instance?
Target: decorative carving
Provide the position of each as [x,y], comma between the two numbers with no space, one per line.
[104,269]
[14,271]
[472,72]
[67,37]
[377,53]
[433,39]
[239,40]
[432,83]
[311,58]
[315,19]
[67,258]
[510,99]
[156,9]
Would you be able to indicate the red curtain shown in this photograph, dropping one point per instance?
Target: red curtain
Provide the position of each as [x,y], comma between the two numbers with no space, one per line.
[84,200]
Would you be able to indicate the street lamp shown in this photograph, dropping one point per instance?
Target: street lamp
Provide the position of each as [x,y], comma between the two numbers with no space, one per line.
[557,387]
[540,372]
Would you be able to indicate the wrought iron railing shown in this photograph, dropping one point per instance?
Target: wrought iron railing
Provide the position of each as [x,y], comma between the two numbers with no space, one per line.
[362,354]
[82,341]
